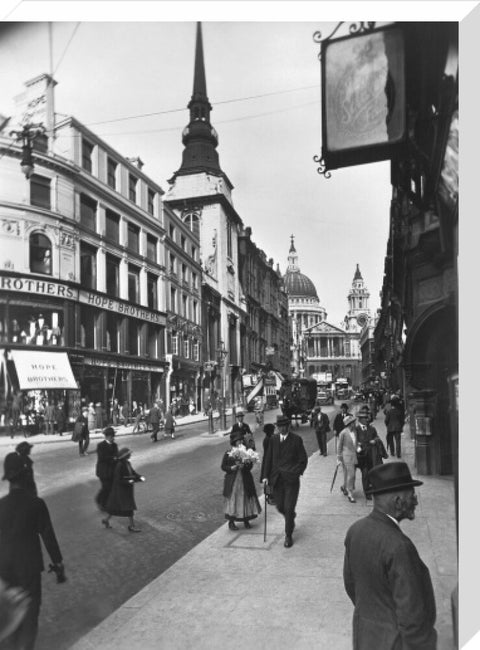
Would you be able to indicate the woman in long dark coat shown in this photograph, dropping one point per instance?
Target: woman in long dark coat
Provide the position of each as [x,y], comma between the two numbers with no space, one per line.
[121,501]
[240,495]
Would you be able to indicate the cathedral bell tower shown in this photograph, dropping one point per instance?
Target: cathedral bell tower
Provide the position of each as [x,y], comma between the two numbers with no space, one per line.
[358,309]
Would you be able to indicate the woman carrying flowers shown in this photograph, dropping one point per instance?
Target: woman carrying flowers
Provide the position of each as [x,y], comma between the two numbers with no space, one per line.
[240,496]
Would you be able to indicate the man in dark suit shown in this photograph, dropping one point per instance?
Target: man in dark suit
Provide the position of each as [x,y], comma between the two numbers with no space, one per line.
[286,460]
[107,452]
[23,449]
[154,419]
[24,519]
[366,446]
[322,427]
[383,574]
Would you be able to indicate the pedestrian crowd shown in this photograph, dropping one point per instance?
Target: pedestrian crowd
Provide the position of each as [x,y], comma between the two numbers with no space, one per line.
[389,585]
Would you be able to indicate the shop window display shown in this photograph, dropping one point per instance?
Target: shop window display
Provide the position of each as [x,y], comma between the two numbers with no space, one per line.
[41,328]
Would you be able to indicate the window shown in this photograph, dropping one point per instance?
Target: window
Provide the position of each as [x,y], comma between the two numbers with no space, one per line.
[111,328]
[133,236]
[152,248]
[88,212]
[184,273]
[229,239]
[132,336]
[182,242]
[186,349]
[152,338]
[112,226]
[194,280]
[133,283]
[40,191]
[151,201]
[171,230]
[173,300]
[193,222]
[88,322]
[174,343]
[195,311]
[111,173]
[40,254]
[185,306]
[196,351]
[152,291]
[112,275]
[132,187]
[172,264]
[87,151]
[88,266]
[194,253]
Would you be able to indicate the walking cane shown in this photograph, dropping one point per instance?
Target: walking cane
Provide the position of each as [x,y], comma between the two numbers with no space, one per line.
[265,518]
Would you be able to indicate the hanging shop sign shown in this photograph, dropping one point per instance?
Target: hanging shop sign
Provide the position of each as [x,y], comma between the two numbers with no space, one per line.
[363,97]
[43,370]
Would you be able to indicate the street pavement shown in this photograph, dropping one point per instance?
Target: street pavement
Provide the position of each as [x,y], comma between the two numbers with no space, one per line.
[241,589]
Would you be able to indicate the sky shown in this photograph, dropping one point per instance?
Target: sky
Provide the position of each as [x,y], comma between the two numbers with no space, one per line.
[263,81]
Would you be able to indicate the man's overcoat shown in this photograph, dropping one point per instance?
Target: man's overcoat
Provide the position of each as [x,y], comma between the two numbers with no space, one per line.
[389,586]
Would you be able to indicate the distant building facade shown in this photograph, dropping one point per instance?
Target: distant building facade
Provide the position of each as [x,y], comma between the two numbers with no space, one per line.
[318,346]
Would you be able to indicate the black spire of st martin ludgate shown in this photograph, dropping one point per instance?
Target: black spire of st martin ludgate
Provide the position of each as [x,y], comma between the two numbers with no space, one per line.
[199,137]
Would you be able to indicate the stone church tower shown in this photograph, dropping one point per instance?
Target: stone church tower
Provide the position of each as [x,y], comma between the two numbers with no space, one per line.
[358,310]
[201,194]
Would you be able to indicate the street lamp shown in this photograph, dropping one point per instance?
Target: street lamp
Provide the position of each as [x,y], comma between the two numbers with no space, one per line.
[26,136]
[221,354]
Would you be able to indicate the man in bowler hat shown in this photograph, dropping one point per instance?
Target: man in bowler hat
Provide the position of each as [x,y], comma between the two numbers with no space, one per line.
[24,520]
[285,461]
[387,582]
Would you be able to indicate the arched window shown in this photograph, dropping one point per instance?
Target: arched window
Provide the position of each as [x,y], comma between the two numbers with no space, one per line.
[193,222]
[40,254]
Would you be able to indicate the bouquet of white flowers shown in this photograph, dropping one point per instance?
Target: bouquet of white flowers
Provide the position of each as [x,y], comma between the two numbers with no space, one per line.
[241,455]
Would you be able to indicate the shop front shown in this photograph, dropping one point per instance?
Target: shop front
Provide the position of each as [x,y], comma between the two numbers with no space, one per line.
[39,391]
[183,385]
[104,378]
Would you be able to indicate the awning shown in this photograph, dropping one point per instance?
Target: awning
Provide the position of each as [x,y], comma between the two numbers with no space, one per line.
[42,370]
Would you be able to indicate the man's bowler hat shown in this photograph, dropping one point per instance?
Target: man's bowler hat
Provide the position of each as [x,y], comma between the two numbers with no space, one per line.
[239,412]
[282,420]
[364,412]
[13,466]
[390,477]
[23,446]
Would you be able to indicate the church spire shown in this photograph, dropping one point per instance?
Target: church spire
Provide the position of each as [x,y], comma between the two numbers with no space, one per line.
[199,137]
[292,257]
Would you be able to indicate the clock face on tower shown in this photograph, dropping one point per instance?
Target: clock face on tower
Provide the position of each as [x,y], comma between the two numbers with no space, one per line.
[362,319]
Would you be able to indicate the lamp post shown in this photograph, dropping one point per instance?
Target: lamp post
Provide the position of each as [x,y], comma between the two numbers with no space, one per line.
[221,354]
[26,136]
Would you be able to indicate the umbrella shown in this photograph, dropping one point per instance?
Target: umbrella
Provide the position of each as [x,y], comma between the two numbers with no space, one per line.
[334,477]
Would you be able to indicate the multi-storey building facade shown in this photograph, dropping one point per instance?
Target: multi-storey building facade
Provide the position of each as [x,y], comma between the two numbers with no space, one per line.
[184,331]
[264,335]
[82,264]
